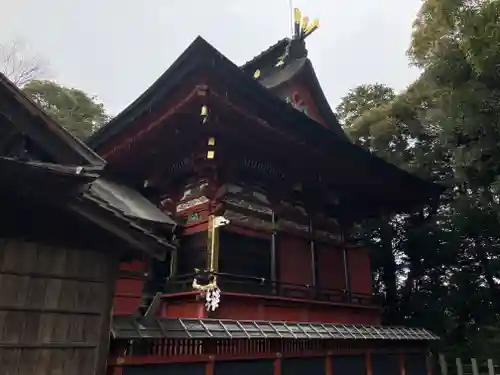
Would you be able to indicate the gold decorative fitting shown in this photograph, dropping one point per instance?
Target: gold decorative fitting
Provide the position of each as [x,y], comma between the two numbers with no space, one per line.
[203,288]
[311,28]
[280,62]
[305,23]
[210,154]
[297,15]
[204,111]
[211,141]
[256,74]
[301,26]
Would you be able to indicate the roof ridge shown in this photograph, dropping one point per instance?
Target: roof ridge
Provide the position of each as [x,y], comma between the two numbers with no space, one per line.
[266,51]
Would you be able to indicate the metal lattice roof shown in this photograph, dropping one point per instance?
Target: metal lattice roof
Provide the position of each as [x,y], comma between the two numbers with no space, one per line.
[130,328]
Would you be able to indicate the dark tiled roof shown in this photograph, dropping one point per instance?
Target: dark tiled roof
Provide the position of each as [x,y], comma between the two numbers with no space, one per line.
[128,328]
[201,57]
[85,184]
[73,186]
[278,46]
[277,76]
[32,178]
[128,201]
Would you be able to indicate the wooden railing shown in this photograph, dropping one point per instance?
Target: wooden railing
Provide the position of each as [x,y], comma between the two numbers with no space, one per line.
[469,366]
[261,286]
[197,347]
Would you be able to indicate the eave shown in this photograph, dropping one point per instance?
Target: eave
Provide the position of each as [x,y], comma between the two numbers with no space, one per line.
[205,62]
[52,138]
[77,179]
[129,328]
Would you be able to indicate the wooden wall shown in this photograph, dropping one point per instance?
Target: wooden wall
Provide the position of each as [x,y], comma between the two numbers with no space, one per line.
[55,306]
[294,260]
[330,267]
[248,307]
[359,270]
[129,287]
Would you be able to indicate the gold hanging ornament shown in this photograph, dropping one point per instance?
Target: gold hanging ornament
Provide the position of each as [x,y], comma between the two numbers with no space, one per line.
[204,113]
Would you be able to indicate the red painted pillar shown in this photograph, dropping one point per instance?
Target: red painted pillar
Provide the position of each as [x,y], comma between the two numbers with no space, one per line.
[428,362]
[369,363]
[329,364]
[277,365]
[402,370]
[115,370]
[210,366]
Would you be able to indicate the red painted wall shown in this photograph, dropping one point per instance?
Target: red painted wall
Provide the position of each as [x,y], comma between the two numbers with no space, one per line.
[182,306]
[330,267]
[128,289]
[245,307]
[359,270]
[294,259]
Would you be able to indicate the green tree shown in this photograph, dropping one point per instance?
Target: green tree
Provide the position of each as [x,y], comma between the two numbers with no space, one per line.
[446,128]
[76,111]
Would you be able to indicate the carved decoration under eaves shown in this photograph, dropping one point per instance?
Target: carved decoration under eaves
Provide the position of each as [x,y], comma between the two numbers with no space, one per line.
[192,203]
[293,226]
[294,212]
[328,236]
[296,101]
[249,221]
[195,190]
[193,218]
[247,193]
[234,201]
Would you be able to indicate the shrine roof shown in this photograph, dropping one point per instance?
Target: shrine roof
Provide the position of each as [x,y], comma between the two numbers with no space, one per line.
[77,172]
[200,58]
[272,77]
[129,328]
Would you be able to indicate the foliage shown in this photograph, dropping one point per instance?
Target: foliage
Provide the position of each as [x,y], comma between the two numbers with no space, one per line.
[18,64]
[439,267]
[79,113]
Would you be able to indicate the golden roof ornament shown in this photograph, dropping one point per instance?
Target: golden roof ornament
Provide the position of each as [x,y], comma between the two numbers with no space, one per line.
[302,28]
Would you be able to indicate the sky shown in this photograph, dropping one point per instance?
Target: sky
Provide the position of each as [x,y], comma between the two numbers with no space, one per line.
[115,49]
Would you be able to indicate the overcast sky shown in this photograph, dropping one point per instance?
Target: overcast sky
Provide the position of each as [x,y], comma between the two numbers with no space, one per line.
[116,49]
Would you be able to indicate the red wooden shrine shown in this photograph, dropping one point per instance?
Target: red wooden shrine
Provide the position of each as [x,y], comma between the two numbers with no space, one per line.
[265,187]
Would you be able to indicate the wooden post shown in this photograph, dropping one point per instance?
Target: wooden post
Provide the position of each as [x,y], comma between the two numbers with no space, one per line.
[312,247]
[369,370]
[475,369]
[443,365]
[402,369]
[429,363]
[277,365]
[460,369]
[329,365]
[491,367]
[274,267]
[210,366]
